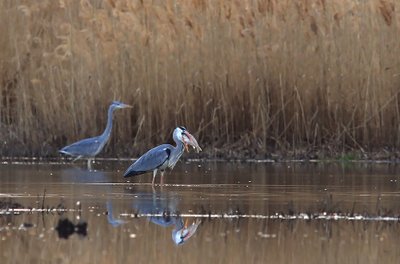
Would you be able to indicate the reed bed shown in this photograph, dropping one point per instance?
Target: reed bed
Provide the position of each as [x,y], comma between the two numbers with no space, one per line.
[246,77]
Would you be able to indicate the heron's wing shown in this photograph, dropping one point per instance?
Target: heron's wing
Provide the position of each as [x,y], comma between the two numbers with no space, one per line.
[162,220]
[149,161]
[85,147]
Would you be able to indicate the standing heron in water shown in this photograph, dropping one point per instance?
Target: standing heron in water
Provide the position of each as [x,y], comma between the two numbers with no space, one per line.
[90,147]
[163,156]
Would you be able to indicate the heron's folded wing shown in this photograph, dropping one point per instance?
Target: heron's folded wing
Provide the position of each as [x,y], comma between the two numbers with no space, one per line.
[84,147]
[151,160]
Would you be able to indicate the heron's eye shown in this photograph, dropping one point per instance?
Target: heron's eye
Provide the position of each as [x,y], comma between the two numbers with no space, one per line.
[183,128]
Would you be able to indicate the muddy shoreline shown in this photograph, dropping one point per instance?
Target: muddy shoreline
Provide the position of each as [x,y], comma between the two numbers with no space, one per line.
[298,157]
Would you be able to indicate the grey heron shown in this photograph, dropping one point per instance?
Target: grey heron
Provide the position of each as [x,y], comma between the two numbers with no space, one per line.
[163,156]
[90,147]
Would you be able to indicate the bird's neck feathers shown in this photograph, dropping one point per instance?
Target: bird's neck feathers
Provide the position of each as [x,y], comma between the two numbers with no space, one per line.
[107,131]
[176,153]
[179,144]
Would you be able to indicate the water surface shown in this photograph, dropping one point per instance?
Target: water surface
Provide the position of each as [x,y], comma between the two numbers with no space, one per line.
[206,212]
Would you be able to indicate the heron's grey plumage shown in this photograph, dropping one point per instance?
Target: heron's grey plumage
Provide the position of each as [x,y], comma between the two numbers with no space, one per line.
[90,147]
[161,157]
[152,159]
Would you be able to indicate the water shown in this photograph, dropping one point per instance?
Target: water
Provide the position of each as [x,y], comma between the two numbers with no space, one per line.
[207,212]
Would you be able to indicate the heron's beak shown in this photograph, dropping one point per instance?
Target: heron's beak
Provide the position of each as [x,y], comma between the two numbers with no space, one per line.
[127,106]
[190,140]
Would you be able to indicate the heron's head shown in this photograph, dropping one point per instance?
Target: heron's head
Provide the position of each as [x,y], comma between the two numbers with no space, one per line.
[119,105]
[180,236]
[181,134]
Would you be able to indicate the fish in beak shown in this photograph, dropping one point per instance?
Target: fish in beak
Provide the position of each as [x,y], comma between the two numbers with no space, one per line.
[189,140]
[182,235]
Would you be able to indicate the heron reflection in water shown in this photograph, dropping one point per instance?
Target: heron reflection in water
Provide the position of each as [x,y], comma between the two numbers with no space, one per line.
[161,209]
[110,216]
[90,147]
[166,205]
[80,175]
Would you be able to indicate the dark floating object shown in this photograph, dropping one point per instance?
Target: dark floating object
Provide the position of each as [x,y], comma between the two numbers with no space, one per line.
[27,225]
[81,229]
[65,228]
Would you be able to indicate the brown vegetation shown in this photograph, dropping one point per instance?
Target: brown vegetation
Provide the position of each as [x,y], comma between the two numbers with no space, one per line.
[260,76]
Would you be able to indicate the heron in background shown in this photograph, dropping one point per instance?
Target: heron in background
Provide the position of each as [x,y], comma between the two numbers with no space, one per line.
[163,156]
[90,147]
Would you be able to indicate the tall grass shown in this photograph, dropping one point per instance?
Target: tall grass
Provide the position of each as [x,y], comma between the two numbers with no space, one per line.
[249,75]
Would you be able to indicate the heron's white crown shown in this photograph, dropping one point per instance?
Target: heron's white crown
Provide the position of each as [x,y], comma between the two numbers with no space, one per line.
[178,134]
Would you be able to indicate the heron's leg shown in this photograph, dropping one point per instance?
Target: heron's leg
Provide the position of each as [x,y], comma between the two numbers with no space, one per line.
[154,176]
[162,177]
[89,164]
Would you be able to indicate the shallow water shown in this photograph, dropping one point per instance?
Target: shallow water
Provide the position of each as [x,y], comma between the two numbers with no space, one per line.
[206,212]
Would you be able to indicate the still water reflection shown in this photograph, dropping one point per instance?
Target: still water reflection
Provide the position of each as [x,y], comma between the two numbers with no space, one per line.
[207,212]
[161,208]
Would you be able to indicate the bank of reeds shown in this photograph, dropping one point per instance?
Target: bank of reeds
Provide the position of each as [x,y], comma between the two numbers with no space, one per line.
[260,76]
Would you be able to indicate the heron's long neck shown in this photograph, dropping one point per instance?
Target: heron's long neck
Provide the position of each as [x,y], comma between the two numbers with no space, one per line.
[107,131]
[178,223]
[176,152]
